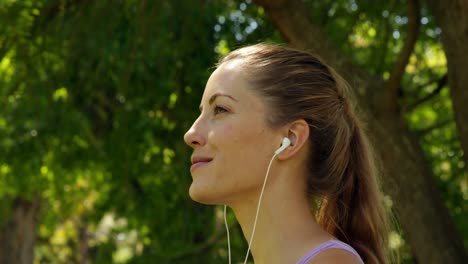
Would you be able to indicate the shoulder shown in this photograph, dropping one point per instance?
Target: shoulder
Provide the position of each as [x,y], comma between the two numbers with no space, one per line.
[335,256]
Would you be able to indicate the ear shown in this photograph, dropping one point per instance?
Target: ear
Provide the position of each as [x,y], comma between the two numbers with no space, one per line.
[298,132]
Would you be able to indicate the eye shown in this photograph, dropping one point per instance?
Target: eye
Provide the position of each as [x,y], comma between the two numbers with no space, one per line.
[219,110]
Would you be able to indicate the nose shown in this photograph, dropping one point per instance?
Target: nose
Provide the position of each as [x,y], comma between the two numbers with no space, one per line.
[193,137]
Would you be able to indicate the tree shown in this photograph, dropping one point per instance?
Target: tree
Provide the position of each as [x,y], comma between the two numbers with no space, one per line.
[90,132]
[454,38]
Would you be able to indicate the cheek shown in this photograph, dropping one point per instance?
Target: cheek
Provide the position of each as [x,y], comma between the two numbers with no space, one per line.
[245,145]
[230,134]
[230,138]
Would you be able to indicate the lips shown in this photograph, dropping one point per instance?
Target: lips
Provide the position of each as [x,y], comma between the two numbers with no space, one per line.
[198,161]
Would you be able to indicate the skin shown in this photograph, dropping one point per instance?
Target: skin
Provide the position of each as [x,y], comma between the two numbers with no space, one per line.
[232,132]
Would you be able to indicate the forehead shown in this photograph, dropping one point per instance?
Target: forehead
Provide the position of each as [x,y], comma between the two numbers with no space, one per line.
[228,78]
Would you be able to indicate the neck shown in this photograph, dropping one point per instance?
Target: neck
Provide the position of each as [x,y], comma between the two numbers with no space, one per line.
[285,223]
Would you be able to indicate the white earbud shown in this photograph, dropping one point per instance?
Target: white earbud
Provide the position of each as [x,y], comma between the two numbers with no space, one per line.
[286,143]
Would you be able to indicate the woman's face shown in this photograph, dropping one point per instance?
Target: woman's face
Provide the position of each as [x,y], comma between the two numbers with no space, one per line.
[232,144]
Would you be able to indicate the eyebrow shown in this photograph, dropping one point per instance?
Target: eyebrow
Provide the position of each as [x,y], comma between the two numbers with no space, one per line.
[216,95]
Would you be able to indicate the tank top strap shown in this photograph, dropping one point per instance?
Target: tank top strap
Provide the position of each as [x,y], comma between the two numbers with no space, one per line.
[335,244]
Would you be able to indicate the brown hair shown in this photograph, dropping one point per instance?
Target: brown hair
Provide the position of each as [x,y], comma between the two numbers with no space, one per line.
[297,85]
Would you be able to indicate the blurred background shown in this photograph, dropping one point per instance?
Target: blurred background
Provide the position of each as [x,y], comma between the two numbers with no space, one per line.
[95,97]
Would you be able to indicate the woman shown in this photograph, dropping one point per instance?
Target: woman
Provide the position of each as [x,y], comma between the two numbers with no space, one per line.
[321,200]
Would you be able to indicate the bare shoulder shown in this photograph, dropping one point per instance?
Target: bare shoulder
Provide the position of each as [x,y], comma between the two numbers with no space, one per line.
[335,256]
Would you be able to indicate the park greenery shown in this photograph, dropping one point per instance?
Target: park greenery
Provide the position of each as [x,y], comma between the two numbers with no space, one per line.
[95,97]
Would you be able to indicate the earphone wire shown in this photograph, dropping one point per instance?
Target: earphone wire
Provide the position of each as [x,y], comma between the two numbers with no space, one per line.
[258,208]
[256,216]
[227,231]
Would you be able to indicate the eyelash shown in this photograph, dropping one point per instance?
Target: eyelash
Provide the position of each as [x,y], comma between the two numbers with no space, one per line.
[217,110]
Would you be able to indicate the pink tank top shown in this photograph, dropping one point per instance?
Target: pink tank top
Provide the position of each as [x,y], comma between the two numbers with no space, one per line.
[328,245]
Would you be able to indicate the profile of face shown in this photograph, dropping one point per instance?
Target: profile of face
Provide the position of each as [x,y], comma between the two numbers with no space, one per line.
[232,143]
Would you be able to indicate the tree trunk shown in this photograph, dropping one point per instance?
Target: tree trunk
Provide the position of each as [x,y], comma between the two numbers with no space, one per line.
[407,177]
[17,234]
[83,239]
[452,17]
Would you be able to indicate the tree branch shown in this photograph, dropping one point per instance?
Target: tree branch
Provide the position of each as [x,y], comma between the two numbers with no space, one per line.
[325,18]
[440,85]
[393,83]
[422,132]
[386,45]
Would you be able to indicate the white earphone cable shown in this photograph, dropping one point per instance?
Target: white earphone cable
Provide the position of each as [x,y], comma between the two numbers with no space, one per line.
[256,216]
[258,208]
[227,231]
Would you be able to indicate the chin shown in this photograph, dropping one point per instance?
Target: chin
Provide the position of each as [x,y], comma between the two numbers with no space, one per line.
[201,195]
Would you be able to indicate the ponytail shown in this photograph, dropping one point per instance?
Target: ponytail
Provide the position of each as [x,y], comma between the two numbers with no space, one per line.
[351,210]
